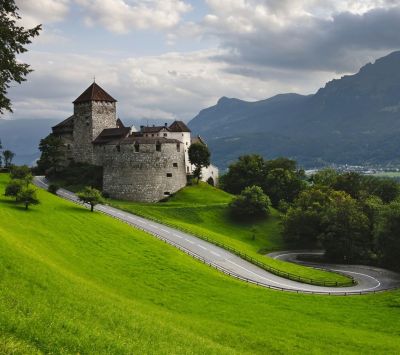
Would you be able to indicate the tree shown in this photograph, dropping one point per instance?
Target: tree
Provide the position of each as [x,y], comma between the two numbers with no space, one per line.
[281,184]
[247,171]
[387,234]
[303,222]
[14,187]
[386,189]
[13,38]
[251,203]
[91,196]
[199,156]
[325,177]
[20,172]
[8,156]
[351,183]
[346,236]
[27,196]
[52,153]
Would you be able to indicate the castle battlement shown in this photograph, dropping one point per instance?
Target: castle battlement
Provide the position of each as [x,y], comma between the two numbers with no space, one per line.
[147,165]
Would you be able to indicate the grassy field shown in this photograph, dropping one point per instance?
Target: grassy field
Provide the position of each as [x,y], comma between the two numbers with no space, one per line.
[203,210]
[72,281]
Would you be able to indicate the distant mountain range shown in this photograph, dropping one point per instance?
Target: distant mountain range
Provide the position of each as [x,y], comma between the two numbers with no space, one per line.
[352,120]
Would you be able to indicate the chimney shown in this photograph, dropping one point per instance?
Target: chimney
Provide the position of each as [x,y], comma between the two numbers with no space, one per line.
[165,124]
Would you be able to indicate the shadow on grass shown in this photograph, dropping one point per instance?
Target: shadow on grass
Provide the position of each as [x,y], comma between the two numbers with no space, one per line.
[76,208]
[17,206]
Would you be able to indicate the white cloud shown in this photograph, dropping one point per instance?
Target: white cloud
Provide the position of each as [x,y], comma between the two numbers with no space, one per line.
[121,16]
[173,85]
[42,11]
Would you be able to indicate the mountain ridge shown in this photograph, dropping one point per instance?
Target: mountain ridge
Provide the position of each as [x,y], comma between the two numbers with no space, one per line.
[354,120]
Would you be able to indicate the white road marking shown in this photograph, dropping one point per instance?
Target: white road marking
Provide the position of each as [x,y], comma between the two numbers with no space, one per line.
[214,253]
[111,211]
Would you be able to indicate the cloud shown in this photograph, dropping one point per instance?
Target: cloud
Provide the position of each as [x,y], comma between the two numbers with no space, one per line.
[173,85]
[334,36]
[42,11]
[122,16]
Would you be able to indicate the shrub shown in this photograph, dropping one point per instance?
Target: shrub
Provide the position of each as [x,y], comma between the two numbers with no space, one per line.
[53,188]
[14,187]
[250,204]
[20,172]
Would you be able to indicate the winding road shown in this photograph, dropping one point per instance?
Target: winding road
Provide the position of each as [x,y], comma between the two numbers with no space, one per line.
[368,279]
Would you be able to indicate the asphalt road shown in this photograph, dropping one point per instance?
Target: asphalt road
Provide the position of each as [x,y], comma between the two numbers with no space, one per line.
[227,262]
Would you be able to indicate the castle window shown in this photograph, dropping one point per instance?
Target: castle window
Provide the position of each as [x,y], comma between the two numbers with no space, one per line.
[165,134]
[175,165]
[169,174]
[118,148]
[152,135]
[136,148]
[158,147]
[178,147]
[167,193]
[69,146]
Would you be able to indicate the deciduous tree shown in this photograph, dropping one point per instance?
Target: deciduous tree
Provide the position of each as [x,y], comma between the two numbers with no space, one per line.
[251,203]
[199,156]
[13,39]
[90,196]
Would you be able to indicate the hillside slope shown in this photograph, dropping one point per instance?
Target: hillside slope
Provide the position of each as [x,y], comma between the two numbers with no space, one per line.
[355,119]
[202,210]
[72,281]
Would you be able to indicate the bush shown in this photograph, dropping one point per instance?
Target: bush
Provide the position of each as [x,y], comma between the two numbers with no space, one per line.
[250,204]
[14,187]
[20,172]
[53,188]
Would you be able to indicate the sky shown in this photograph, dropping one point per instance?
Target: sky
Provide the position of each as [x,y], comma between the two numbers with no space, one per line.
[169,59]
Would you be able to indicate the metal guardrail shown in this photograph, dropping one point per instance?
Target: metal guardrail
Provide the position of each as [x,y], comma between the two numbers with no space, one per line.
[272,270]
[230,273]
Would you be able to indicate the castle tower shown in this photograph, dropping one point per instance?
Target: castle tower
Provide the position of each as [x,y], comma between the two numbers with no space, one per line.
[94,110]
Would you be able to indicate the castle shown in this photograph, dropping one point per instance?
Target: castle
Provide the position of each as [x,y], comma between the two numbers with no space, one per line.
[146,165]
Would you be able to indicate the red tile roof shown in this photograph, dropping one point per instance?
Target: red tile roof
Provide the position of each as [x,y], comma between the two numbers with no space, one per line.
[94,93]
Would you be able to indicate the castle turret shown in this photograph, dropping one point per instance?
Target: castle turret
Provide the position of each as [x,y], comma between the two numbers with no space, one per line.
[94,111]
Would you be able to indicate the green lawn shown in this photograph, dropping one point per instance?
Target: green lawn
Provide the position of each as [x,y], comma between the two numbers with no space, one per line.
[203,210]
[72,281]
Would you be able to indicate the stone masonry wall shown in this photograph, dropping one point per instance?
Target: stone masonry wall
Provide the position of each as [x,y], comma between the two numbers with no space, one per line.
[145,176]
[90,118]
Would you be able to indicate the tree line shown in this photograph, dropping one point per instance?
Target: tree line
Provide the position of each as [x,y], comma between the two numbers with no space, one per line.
[355,218]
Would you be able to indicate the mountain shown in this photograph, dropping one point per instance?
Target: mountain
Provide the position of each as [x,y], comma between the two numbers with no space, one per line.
[22,136]
[352,120]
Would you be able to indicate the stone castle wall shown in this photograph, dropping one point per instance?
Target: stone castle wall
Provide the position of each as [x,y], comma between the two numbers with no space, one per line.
[90,118]
[147,175]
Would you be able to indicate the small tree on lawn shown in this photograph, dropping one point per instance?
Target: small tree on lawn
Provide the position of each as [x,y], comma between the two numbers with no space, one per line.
[91,196]
[27,196]
[13,188]
[8,156]
[20,172]
[251,203]
[199,156]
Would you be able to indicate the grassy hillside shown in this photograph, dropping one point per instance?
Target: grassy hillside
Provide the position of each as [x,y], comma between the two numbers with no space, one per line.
[203,210]
[72,281]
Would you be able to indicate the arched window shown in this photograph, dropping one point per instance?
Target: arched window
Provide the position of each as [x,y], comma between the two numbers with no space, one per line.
[158,147]
[137,148]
